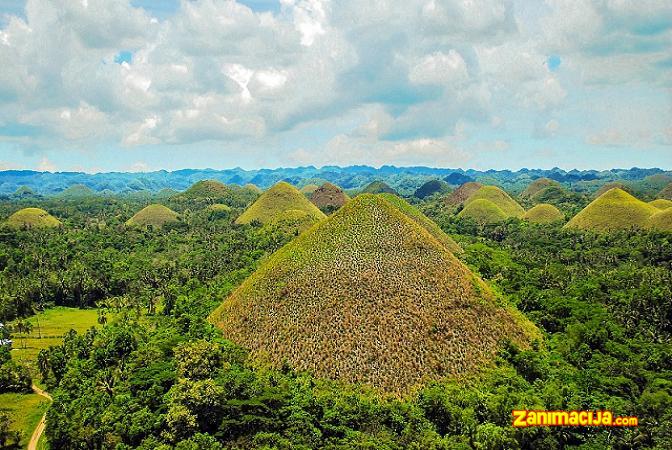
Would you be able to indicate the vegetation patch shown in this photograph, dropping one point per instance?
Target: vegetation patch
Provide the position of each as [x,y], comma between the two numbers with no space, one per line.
[369,296]
[613,210]
[309,189]
[77,191]
[544,213]
[24,412]
[32,218]
[153,215]
[273,204]
[461,194]
[482,211]
[500,198]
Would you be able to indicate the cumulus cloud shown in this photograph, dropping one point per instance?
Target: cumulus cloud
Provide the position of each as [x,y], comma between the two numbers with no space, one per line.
[404,78]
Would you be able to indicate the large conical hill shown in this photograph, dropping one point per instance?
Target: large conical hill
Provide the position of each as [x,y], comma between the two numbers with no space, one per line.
[273,204]
[77,191]
[538,185]
[500,198]
[207,189]
[378,187]
[544,213]
[462,193]
[329,197]
[369,296]
[483,211]
[661,203]
[613,210]
[154,215]
[32,218]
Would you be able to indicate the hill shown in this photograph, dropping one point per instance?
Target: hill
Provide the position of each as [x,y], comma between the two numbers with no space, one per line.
[253,188]
[378,187]
[661,221]
[538,185]
[613,185]
[458,179]
[32,218]
[154,215]
[207,189]
[500,198]
[544,213]
[425,222]
[272,205]
[483,211]
[613,210]
[369,296]
[309,189]
[461,194]
[329,197]
[666,193]
[432,187]
[77,191]
[661,203]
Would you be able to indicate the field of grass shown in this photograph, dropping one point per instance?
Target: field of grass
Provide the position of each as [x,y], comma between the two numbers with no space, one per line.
[49,327]
[483,211]
[24,411]
[500,198]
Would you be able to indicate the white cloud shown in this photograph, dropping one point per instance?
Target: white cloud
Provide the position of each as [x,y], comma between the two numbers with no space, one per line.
[440,68]
[45,166]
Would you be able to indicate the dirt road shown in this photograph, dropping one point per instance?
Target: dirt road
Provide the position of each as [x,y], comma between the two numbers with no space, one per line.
[32,445]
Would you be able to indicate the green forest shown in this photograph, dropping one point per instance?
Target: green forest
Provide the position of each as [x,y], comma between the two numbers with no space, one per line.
[156,371]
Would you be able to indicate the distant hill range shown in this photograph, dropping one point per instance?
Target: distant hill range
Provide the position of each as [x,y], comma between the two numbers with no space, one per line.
[404,180]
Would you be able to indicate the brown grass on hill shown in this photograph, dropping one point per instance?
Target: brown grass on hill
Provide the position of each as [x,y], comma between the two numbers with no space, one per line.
[329,197]
[369,296]
[538,185]
[273,204]
[462,193]
[666,193]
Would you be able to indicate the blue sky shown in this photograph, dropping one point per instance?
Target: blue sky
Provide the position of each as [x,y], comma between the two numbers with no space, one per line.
[100,85]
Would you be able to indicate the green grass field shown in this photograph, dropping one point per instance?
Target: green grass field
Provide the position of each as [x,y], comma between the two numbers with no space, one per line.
[49,327]
[25,411]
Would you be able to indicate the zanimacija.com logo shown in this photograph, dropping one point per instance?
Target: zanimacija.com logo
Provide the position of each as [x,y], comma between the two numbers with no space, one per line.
[534,418]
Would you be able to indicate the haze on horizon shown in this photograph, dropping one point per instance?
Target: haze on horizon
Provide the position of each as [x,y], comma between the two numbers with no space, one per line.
[142,85]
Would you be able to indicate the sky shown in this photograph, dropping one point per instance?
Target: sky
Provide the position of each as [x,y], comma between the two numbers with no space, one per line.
[141,85]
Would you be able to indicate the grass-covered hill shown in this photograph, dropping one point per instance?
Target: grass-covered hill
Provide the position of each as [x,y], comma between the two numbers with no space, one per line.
[218,192]
[432,187]
[482,211]
[666,192]
[612,185]
[369,296]
[77,191]
[544,213]
[661,221]
[538,185]
[378,187]
[462,193]
[661,203]
[32,218]
[329,197]
[308,189]
[253,188]
[154,215]
[272,206]
[500,198]
[613,210]
[418,217]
